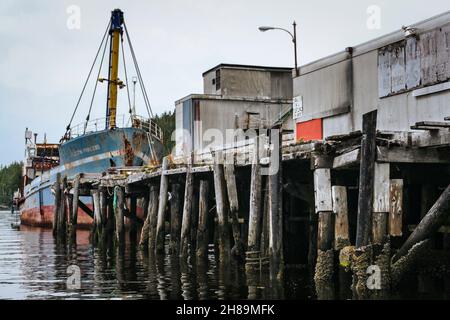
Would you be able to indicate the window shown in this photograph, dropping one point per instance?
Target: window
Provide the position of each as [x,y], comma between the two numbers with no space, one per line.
[217,79]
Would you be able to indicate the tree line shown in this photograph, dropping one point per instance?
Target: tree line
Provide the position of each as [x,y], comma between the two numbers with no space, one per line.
[10,180]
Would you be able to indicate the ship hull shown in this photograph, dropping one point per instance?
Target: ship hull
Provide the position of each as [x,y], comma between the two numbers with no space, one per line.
[91,153]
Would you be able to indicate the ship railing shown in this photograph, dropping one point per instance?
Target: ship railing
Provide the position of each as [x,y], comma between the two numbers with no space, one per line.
[122,121]
[147,125]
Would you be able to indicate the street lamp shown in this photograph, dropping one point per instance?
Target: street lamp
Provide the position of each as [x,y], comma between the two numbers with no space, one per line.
[293,36]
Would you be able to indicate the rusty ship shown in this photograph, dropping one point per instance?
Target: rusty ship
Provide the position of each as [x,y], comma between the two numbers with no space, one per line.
[94,146]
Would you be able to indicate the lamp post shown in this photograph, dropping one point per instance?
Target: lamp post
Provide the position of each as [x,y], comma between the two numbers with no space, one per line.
[293,36]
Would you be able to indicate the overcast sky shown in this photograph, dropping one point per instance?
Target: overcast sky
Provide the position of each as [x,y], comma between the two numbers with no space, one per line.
[43,63]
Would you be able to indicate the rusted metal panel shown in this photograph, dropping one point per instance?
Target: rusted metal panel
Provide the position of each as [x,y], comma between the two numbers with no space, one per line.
[428,58]
[412,52]
[443,53]
[384,73]
[398,71]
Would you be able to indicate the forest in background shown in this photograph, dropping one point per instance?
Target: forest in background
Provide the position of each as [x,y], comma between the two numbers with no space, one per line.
[10,179]
[166,121]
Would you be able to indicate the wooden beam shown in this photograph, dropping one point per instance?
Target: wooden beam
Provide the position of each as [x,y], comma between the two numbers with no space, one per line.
[86,209]
[430,139]
[366,176]
[433,124]
[430,224]
[348,159]
[412,155]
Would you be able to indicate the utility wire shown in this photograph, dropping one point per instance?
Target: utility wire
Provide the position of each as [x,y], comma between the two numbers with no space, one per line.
[95,87]
[126,76]
[88,77]
[138,71]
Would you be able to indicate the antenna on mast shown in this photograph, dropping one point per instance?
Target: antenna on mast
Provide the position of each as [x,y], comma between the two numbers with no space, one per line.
[133,110]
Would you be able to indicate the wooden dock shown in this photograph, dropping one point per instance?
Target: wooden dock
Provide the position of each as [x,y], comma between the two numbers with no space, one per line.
[351,196]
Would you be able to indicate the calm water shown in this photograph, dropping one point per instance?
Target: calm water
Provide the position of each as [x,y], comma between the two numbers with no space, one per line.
[33,266]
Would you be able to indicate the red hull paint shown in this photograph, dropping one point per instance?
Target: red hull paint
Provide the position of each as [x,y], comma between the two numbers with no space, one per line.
[33,217]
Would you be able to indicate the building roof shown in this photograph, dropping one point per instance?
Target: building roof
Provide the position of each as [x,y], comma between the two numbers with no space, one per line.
[247,67]
[375,44]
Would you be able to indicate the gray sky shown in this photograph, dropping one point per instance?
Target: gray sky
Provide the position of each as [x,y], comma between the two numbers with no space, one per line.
[43,63]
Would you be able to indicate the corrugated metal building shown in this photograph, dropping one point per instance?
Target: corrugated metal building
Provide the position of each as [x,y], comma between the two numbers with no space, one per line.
[404,75]
[235,97]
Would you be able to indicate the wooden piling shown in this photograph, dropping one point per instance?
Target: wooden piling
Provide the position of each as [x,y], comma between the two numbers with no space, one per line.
[325,234]
[143,239]
[340,210]
[119,215]
[254,228]
[187,212]
[163,194]
[202,229]
[76,192]
[57,204]
[221,208]
[175,217]
[366,177]
[98,224]
[395,224]
[230,178]
[132,218]
[276,206]
[62,218]
[380,205]
[153,217]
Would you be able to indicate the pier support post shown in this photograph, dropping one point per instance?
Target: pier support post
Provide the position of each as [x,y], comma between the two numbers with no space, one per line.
[230,178]
[132,219]
[395,224]
[143,239]
[56,208]
[73,211]
[380,213]
[276,206]
[175,217]
[62,219]
[202,229]
[98,224]
[323,276]
[363,251]
[187,212]
[152,215]
[163,194]
[119,216]
[221,208]
[340,211]
[366,177]
[254,219]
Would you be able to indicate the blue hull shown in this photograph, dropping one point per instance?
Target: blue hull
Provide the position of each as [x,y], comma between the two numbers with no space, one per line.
[91,153]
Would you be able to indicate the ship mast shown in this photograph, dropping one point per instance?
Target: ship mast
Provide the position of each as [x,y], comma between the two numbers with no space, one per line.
[115,34]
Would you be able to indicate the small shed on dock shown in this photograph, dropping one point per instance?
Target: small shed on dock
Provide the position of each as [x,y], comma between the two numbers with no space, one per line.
[235,97]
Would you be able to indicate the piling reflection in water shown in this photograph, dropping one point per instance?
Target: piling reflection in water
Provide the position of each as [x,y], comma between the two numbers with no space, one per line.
[34,266]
